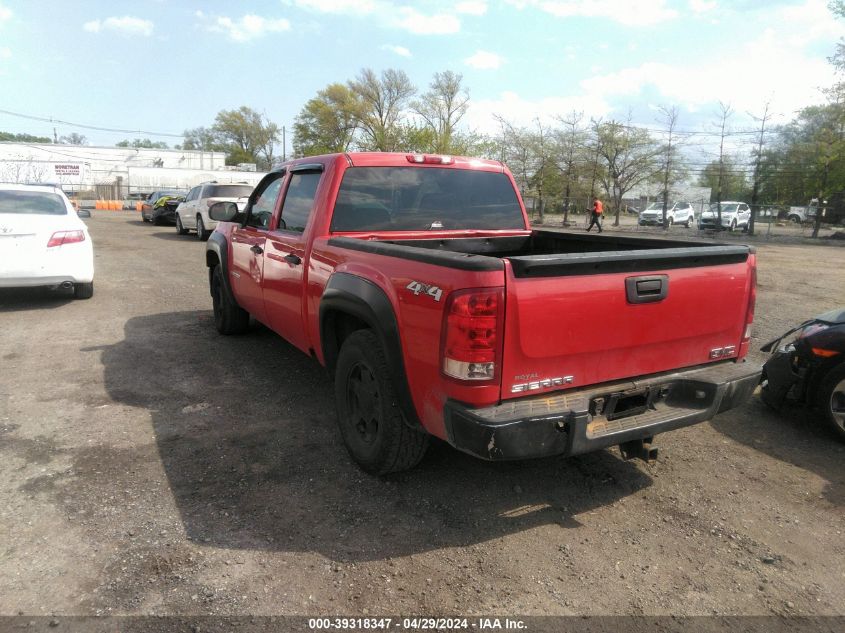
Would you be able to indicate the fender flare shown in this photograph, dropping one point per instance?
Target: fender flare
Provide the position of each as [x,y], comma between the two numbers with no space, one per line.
[364,300]
[219,247]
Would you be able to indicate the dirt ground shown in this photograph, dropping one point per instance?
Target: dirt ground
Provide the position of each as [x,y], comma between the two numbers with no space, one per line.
[150,466]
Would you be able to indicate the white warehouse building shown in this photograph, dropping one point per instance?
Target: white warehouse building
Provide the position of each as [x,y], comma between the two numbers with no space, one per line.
[114,172]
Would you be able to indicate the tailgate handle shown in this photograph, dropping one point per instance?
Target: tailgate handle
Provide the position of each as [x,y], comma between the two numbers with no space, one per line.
[646,288]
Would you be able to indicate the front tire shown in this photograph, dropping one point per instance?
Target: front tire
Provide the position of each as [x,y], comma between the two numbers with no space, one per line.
[181,230]
[831,399]
[83,290]
[733,226]
[371,422]
[229,317]
[202,234]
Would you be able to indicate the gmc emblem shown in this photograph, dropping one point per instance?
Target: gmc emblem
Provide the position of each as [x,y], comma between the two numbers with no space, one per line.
[722,352]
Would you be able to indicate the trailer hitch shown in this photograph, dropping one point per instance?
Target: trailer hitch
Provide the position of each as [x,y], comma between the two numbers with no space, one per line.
[641,449]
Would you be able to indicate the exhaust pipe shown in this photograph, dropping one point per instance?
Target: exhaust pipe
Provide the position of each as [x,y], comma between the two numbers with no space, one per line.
[66,285]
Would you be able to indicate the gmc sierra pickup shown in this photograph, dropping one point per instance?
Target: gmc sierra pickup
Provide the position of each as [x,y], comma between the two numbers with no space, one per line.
[417,281]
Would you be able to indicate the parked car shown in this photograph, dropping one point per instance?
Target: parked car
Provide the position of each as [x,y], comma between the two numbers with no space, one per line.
[418,282]
[164,210]
[192,214]
[810,368]
[43,242]
[735,215]
[676,213]
[151,199]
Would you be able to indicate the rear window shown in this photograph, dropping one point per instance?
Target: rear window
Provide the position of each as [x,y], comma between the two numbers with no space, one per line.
[419,199]
[32,202]
[227,191]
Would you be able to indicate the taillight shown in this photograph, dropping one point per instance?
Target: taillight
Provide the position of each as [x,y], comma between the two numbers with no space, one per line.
[65,237]
[429,159]
[749,313]
[472,333]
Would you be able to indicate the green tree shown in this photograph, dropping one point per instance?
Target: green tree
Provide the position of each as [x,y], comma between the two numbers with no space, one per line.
[202,138]
[327,123]
[728,174]
[383,101]
[142,144]
[249,136]
[442,107]
[630,156]
[23,138]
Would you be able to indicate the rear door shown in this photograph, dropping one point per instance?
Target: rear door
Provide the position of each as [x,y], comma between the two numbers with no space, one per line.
[603,321]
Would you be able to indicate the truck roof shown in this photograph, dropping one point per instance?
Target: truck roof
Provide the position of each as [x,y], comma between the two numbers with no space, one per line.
[400,159]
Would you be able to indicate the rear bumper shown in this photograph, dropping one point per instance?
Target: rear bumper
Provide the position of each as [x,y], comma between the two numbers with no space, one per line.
[573,422]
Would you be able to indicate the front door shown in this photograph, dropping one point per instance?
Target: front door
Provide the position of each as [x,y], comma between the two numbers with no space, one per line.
[248,242]
[285,264]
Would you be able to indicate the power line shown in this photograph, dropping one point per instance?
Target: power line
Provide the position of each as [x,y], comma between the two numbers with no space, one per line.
[88,127]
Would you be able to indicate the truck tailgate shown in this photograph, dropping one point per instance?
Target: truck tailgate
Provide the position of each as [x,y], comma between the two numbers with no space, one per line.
[593,318]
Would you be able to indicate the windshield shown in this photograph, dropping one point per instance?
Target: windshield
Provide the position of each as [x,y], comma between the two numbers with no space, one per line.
[228,191]
[657,206]
[418,199]
[32,202]
[726,208]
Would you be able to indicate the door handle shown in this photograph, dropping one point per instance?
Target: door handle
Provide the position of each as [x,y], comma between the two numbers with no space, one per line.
[292,259]
[257,249]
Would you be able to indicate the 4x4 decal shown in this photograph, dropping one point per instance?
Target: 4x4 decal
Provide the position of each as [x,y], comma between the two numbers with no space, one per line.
[418,288]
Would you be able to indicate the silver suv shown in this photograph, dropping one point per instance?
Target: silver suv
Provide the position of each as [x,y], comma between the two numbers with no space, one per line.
[193,213]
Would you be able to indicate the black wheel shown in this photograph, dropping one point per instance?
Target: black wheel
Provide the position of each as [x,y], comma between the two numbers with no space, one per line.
[795,219]
[144,218]
[202,234]
[229,317]
[831,399]
[670,222]
[154,219]
[83,290]
[181,230]
[371,422]
[733,225]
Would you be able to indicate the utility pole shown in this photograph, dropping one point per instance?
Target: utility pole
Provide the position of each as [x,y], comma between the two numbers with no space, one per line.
[756,190]
[55,136]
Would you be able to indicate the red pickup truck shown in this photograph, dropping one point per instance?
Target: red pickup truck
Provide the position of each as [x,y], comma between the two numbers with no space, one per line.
[417,281]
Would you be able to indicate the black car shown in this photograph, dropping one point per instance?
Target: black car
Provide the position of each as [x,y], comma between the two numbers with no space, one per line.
[810,369]
[164,209]
[149,203]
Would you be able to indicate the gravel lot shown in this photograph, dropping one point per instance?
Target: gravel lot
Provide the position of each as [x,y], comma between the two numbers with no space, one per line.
[150,466]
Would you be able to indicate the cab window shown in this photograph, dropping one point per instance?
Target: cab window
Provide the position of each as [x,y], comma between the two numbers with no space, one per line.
[299,201]
[262,209]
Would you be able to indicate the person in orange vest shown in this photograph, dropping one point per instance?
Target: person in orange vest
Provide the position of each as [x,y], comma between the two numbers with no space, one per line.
[597,210]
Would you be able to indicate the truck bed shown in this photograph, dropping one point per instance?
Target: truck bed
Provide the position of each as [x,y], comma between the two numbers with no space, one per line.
[587,309]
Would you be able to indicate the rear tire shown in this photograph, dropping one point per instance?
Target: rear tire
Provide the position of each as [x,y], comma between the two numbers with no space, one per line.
[229,317]
[831,399]
[83,290]
[371,422]
[202,234]
[181,230]
[733,226]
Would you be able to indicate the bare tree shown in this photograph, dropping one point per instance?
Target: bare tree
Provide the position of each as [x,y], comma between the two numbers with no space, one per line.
[670,117]
[570,141]
[755,190]
[383,101]
[725,113]
[442,107]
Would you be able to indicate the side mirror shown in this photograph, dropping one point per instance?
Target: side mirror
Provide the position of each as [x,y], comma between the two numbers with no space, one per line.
[83,213]
[224,212]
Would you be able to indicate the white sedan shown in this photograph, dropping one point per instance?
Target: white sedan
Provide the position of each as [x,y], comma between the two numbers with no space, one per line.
[43,242]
